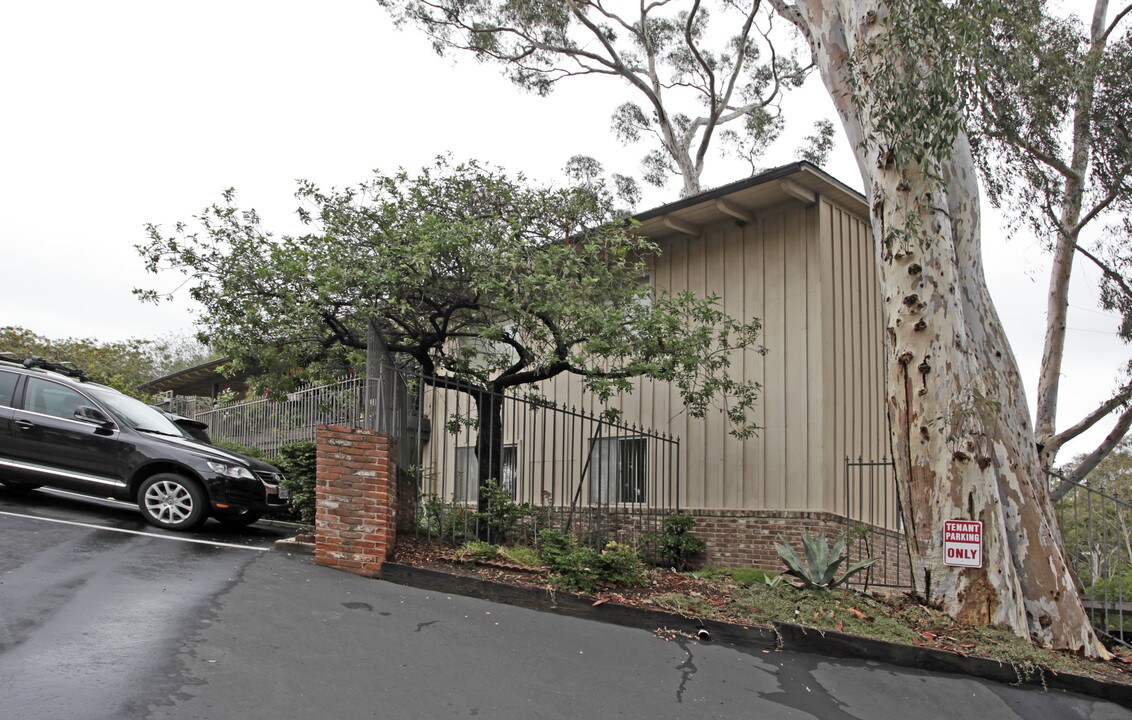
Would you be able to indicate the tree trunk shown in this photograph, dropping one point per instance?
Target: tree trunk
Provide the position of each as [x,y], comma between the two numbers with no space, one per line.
[489,442]
[961,432]
[1064,250]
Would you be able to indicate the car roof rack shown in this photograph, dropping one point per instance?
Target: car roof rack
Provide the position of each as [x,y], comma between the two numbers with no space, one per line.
[63,368]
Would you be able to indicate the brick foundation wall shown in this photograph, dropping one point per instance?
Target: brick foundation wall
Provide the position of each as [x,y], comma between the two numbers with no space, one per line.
[363,501]
[355,499]
[745,538]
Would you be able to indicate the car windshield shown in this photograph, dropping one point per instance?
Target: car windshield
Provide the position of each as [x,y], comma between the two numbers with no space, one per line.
[138,415]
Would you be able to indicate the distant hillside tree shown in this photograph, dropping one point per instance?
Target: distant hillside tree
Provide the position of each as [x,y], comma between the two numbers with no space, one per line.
[119,364]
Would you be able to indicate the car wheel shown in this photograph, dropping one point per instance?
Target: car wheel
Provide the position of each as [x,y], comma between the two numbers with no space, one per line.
[172,501]
[237,521]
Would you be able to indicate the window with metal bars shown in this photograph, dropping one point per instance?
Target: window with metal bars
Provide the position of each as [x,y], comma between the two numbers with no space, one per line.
[619,470]
[466,487]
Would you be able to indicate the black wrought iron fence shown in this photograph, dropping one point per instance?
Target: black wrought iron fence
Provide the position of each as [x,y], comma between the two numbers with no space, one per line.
[874,524]
[1095,526]
[547,466]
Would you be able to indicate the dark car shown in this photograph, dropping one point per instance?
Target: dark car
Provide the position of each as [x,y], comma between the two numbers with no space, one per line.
[198,431]
[59,430]
[195,429]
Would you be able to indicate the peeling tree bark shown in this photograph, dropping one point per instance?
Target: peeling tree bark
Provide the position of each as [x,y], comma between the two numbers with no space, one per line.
[961,431]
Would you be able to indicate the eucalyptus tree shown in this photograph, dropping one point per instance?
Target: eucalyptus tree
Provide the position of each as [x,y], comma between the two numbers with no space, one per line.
[702,72]
[1051,115]
[902,74]
[479,279]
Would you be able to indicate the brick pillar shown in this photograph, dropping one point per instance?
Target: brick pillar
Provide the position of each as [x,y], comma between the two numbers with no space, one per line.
[355,499]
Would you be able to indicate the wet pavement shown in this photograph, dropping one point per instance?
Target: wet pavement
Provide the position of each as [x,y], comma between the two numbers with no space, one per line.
[100,623]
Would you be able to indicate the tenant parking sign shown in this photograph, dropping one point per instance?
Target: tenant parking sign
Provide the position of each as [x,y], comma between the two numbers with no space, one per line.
[963,543]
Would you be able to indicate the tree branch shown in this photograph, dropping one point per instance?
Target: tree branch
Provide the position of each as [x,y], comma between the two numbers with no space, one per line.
[1121,397]
[793,15]
[1042,156]
[1111,274]
[1098,208]
[716,109]
[1090,461]
[1103,37]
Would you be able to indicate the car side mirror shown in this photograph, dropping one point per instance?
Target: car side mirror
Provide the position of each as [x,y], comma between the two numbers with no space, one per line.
[94,416]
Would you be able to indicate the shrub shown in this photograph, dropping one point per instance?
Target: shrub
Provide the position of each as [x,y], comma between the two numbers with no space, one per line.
[503,514]
[676,546]
[448,523]
[820,568]
[620,564]
[584,568]
[552,545]
[577,569]
[249,450]
[298,462]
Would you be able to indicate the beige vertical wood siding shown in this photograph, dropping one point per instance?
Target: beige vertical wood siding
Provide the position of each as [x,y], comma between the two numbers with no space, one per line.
[853,354]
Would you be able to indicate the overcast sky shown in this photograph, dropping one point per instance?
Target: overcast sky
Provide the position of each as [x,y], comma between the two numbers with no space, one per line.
[123,112]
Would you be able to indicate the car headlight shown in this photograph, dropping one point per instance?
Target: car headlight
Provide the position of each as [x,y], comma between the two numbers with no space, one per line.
[232,471]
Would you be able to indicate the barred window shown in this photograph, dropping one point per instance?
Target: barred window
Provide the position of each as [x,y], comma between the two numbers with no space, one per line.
[466,488]
[619,469]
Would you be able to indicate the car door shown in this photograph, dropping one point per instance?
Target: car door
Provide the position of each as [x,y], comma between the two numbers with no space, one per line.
[8,381]
[49,443]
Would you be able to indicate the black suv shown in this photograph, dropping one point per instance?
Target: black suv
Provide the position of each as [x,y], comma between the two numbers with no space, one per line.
[58,429]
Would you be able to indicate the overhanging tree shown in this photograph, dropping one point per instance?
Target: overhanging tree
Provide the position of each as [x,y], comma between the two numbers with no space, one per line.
[482,280]
[694,86]
[898,73]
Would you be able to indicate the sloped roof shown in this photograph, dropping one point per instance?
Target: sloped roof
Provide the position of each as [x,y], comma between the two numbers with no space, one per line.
[744,199]
[198,380]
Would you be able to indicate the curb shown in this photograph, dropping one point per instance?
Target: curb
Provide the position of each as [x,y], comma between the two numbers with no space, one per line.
[835,644]
[295,545]
[272,522]
[783,636]
[572,605]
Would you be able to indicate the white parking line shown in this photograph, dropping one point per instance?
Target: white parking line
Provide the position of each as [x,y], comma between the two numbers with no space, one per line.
[138,532]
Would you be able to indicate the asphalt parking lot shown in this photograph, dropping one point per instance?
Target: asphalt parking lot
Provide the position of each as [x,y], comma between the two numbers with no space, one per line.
[102,618]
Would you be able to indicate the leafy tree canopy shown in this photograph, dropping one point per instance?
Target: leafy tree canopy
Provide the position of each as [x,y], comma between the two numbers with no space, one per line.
[476,276]
[122,365]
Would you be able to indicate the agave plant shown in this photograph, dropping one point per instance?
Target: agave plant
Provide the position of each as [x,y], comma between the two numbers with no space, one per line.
[820,568]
